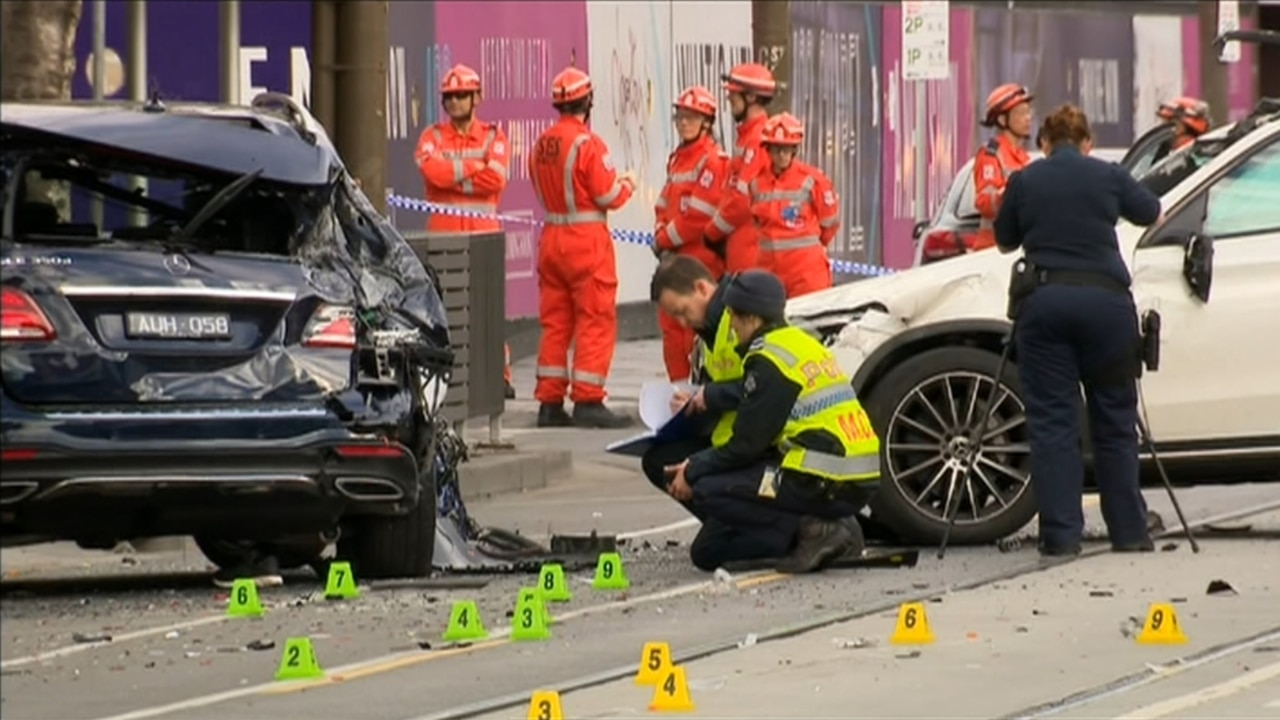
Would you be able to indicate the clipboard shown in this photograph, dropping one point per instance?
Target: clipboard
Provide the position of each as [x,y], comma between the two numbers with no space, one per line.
[655,412]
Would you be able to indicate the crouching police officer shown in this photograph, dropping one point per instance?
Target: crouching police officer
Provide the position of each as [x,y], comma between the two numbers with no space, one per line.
[685,290]
[1076,322]
[802,458]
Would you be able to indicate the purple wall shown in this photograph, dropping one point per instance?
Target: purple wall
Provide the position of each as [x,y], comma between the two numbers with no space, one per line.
[949,129]
[517,47]
[834,58]
[182,46]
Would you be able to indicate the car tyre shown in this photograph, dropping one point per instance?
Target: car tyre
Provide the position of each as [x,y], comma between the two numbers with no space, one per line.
[924,434]
[396,547]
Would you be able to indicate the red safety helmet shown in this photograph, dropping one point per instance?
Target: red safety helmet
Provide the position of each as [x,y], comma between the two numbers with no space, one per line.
[1191,112]
[750,78]
[569,86]
[783,129]
[460,79]
[697,99]
[1003,99]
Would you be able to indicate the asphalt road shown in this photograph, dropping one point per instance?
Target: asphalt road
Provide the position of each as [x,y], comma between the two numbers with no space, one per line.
[174,654]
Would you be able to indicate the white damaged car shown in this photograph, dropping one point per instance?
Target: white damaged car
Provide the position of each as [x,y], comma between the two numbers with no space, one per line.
[923,346]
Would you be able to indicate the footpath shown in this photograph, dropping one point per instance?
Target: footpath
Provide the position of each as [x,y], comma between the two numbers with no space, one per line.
[1061,641]
[535,456]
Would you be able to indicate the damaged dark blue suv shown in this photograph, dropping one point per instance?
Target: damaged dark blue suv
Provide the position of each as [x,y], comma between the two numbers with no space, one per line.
[208,330]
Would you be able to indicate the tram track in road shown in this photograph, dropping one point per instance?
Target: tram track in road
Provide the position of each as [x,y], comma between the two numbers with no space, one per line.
[364,670]
[681,656]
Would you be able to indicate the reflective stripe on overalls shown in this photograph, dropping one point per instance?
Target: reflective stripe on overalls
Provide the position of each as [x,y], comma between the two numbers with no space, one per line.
[827,403]
[990,223]
[575,216]
[465,186]
[802,196]
[722,363]
[700,205]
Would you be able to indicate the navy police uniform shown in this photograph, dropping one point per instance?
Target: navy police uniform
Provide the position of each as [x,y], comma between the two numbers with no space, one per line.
[802,459]
[720,398]
[1079,325]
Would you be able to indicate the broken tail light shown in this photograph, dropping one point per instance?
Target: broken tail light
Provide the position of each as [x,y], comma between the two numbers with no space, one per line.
[942,244]
[332,326]
[22,320]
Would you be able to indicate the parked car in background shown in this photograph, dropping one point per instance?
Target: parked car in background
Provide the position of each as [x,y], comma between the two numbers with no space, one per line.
[954,226]
[923,346]
[208,330]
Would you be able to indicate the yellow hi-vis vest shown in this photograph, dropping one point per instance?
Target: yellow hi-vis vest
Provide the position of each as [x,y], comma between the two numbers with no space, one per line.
[722,364]
[826,402]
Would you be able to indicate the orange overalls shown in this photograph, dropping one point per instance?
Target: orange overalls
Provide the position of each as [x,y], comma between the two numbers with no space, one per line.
[797,215]
[733,216]
[467,171]
[577,273]
[695,183]
[996,161]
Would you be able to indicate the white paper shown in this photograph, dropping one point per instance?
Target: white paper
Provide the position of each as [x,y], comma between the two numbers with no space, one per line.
[655,402]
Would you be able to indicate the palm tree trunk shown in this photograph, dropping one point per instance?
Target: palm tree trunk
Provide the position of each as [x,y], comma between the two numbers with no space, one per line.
[37,49]
[37,62]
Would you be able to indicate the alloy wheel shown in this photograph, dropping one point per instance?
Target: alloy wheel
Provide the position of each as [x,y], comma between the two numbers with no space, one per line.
[928,441]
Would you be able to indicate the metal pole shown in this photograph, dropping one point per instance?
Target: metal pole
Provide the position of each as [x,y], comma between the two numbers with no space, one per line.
[361,94]
[322,61]
[921,153]
[99,81]
[229,50]
[137,19]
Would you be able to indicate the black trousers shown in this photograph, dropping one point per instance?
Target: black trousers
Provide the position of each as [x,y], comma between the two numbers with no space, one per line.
[1068,335]
[737,523]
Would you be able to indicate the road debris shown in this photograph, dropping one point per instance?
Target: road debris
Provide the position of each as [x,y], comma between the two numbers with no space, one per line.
[1220,587]
[857,643]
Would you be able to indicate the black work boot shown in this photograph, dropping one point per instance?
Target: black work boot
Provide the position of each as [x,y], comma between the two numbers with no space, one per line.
[818,542]
[553,415]
[510,392]
[1059,549]
[1134,547]
[596,415]
[857,539]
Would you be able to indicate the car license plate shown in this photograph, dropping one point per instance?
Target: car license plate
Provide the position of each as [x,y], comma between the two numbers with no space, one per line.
[179,326]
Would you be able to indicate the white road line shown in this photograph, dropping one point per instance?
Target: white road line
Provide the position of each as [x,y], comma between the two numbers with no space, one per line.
[115,640]
[661,529]
[209,620]
[1204,695]
[495,634]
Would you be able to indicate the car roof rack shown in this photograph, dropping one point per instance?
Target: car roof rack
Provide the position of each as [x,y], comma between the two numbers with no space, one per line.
[286,108]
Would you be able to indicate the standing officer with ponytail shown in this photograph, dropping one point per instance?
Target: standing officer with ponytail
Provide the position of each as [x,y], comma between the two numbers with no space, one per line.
[1076,322]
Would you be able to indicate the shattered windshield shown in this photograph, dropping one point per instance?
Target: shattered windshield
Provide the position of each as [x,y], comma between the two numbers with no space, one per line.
[349,252]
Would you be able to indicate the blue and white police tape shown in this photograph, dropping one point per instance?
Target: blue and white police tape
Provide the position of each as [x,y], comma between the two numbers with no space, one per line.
[634,237]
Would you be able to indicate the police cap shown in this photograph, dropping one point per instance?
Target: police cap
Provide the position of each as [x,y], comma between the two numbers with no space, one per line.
[757,292]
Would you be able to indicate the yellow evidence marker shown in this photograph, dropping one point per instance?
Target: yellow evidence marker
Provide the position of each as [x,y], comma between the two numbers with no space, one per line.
[464,623]
[552,584]
[1161,627]
[545,705]
[655,660]
[341,583]
[672,694]
[530,619]
[610,574]
[298,661]
[244,601]
[912,627]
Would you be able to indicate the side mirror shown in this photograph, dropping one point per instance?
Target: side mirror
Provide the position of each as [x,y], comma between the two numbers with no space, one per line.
[1197,265]
[918,230]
